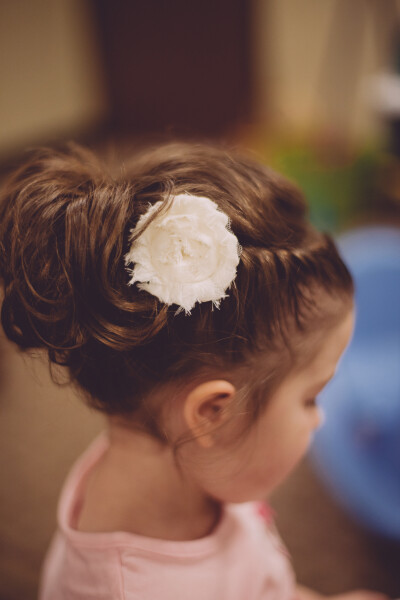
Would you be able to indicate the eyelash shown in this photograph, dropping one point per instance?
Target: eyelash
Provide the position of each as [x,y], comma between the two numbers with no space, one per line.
[311,403]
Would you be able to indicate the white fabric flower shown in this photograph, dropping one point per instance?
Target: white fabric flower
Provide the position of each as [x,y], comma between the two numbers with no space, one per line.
[187,254]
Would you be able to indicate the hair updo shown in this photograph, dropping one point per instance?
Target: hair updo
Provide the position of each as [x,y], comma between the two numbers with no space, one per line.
[64,232]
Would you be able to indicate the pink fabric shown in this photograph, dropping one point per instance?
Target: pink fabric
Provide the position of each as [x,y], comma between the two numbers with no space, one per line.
[243,559]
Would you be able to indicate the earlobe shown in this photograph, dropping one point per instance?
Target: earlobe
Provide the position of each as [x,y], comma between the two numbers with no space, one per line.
[206,408]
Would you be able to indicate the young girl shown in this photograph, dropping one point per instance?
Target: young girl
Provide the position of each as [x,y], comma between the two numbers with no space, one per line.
[194,305]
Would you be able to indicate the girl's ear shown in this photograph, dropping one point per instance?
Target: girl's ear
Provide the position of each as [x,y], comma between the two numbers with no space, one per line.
[206,407]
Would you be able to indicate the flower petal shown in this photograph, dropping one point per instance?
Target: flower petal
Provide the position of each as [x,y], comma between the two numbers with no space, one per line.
[187,254]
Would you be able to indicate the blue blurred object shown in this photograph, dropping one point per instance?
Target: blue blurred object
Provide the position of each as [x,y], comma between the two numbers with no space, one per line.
[357,452]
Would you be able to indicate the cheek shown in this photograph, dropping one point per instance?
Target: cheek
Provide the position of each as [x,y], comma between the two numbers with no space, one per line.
[294,441]
[275,459]
[286,461]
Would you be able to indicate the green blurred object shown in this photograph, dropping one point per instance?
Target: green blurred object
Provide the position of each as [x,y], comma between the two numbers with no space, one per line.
[338,191]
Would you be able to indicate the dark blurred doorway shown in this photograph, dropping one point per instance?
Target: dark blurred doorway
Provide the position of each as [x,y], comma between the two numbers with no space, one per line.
[176,66]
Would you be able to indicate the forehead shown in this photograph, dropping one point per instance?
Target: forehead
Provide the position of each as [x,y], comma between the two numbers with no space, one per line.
[328,347]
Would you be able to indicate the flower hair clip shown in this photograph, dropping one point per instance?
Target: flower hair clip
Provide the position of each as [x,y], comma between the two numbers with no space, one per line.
[186,254]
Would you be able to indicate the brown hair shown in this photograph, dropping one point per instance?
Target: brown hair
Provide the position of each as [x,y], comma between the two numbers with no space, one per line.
[64,231]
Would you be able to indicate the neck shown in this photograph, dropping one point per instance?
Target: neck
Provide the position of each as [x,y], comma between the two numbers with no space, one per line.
[144,491]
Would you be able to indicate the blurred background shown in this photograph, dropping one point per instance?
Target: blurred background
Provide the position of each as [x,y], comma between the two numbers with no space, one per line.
[311,87]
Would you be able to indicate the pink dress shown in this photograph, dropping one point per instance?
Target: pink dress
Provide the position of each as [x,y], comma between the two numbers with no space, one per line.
[243,558]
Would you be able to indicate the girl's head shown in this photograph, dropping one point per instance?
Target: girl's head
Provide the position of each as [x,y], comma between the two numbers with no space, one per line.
[64,232]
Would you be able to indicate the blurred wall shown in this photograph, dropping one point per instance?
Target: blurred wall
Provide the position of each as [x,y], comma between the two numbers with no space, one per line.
[165,63]
[51,82]
[312,60]
[132,67]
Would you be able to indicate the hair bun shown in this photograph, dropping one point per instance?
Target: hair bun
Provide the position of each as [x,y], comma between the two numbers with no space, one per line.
[60,243]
